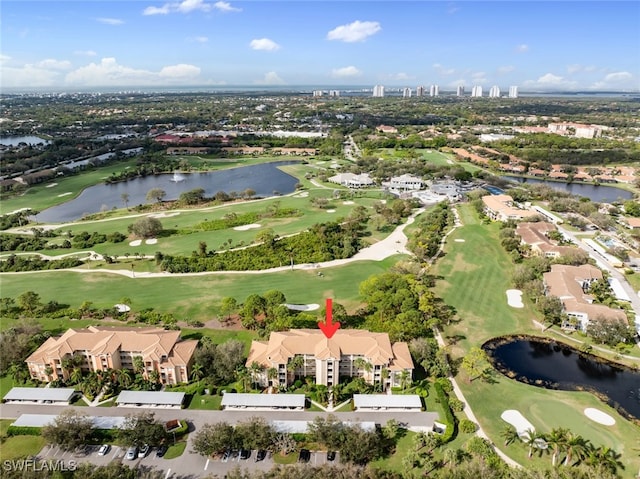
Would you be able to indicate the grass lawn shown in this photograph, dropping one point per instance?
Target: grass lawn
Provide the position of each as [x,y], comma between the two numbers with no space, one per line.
[175,294]
[79,401]
[475,275]
[4,425]
[175,450]
[205,401]
[109,403]
[20,446]
[290,458]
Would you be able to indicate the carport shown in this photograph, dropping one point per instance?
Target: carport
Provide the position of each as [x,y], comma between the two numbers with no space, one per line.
[263,402]
[387,402]
[48,396]
[155,399]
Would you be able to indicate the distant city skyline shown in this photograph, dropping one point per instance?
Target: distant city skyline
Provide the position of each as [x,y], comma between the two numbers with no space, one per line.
[538,46]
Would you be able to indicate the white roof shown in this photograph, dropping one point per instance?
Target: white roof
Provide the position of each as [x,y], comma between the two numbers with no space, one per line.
[150,397]
[387,401]
[41,420]
[40,394]
[263,400]
[301,427]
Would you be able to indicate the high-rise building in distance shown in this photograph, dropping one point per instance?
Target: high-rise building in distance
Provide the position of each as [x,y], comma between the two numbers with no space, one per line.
[494,92]
[420,91]
[378,91]
[318,92]
[334,92]
[513,92]
[434,90]
[406,92]
[460,90]
[476,91]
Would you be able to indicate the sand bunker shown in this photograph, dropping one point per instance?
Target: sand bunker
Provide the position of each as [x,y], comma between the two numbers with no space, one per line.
[135,243]
[151,241]
[66,194]
[164,215]
[331,211]
[459,240]
[514,298]
[51,185]
[599,416]
[303,307]
[518,421]
[304,194]
[247,227]
[348,203]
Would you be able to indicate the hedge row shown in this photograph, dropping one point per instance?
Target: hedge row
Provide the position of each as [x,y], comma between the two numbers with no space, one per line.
[23,431]
[449,419]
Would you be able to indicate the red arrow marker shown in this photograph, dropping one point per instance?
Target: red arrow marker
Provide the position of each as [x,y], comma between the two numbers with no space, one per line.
[329,328]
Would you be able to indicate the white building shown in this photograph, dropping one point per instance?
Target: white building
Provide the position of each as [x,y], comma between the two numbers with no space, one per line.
[494,92]
[352,180]
[334,93]
[460,90]
[513,91]
[378,91]
[406,92]
[404,182]
[434,90]
[420,91]
[317,93]
[476,91]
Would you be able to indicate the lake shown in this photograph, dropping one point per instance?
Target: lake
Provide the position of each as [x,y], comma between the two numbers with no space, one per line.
[558,366]
[600,194]
[16,140]
[265,179]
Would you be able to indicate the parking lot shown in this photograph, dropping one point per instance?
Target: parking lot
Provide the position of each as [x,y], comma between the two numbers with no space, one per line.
[187,464]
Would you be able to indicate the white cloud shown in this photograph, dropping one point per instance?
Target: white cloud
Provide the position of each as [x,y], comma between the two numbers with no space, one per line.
[441,70]
[188,6]
[575,68]
[110,21]
[522,48]
[354,32]
[401,76]
[457,83]
[479,77]
[27,75]
[264,44]
[86,53]
[345,72]
[226,7]
[616,80]
[4,58]
[181,70]
[51,64]
[270,78]
[506,69]
[549,81]
[199,39]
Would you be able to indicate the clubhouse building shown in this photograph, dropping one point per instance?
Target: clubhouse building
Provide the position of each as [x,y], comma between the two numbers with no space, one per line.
[98,348]
[349,353]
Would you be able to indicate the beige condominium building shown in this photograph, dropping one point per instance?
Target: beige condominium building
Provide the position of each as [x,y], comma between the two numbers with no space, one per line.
[349,353]
[503,208]
[99,348]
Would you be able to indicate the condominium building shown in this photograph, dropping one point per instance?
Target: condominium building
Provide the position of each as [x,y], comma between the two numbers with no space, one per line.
[434,90]
[348,353]
[317,93]
[420,91]
[494,92]
[334,93]
[378,91]
[503,208]
[99,348]
[406,92]
[476,91]
[460,90]
[513,91]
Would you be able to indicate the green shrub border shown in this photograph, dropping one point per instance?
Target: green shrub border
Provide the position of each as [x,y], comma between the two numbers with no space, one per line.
[449,418]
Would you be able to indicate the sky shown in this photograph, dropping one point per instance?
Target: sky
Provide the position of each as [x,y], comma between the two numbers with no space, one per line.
[539,46]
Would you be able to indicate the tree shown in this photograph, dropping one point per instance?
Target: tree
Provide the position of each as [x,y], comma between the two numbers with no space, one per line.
[510,435]
[196,372]
[228,306]
[405,379]
[254,433]
[475,363]
[328,431]
[125,199]
[557,441]
[213,438]
[69,430]
[285,443]
[146,227]
[360,446]
[140,429]
[575,446]
[156,194]
[29,301]
[138,364]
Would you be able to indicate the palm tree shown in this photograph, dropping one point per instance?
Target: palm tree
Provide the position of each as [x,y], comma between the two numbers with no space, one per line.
[196,372]
[243,377]
[576,445]
[405,379]
[124,378]
[384,375]
[510,435]
[532,440]
[296,363]
[451,456]
[138,364]
[272,373]
[48,371]
[154,376]
[255,369]
[557,440]
[603,458]
[76,375]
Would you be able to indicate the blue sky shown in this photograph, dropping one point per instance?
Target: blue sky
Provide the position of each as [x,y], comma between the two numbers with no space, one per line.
[544,45]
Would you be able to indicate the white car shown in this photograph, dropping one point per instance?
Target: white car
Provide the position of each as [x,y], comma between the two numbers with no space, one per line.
[132,453]
[104,449]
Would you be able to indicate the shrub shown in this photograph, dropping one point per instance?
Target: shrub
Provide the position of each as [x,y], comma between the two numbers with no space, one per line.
[445,384]
[449,418]
[297,384]
[456,405]
[23,431]
[467,426]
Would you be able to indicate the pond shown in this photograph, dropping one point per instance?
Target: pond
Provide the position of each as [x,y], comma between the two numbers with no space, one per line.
[16,140]
[265,179]
[554,365]
[600,193]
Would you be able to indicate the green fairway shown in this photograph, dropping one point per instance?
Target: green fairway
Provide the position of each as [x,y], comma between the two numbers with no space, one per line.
[476,274]
[175,294]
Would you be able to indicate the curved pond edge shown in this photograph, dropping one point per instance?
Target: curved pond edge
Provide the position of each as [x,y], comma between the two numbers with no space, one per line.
[490,345]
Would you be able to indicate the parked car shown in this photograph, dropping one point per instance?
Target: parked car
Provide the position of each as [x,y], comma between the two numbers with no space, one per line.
[132,453]
[244,454]
[144,450]
[226,455]
[305,455]
[331,455]
[261,454]
[161,451]
[104,449]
